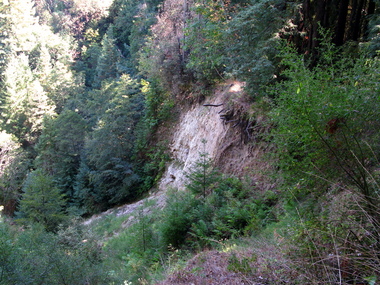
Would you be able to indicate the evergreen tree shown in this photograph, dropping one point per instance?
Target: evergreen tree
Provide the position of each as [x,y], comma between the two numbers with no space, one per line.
[87,63]
[51,61]
[24,25]
[107,175]
[255,32]
[13,171]
[41,201]
[107,61]
[59,149]
[37,78]
[205,39]
[5,36]
[26,102]
[203,175]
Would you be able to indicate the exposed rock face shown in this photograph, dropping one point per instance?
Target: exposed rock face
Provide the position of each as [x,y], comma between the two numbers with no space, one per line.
[196,125]
[224,139]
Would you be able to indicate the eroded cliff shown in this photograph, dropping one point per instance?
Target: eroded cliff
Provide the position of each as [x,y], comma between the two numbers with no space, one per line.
[228,129]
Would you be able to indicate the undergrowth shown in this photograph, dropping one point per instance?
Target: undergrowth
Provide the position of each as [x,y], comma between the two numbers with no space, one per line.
[327,122]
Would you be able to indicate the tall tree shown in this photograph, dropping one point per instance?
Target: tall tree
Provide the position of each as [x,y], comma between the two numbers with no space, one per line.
[59,149]
[41,201]
[37,78]
[13,171]
[107,66]
[107,175]
[5,34]
[255,33]
[26,102]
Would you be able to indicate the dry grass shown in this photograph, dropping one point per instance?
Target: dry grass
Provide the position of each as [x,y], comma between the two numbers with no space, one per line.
[211,268]
[258,261]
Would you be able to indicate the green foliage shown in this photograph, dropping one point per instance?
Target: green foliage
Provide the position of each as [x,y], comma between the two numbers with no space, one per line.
[41,202]
[107,65]
[202,176]
[137,250]
[255,34]
[5,41]
[51,61]
[205,40]
[107,175]
[150,152]
[178,218]
[326,118]
[26,102]
[162,57]
[6,251]
[13,171]
[34,256]
[217,207]
[326,132]
[159,104]
[144,18]
[374,35]
[37,79]
[130,23]
[87,65]
[59,149]
[121,14]
[153,160]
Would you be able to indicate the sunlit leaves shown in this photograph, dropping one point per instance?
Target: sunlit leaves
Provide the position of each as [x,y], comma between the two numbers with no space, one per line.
[327,117]
[13,170]
[26,103]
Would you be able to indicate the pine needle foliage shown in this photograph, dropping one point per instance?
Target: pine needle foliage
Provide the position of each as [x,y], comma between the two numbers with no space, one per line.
[203,175]
[41,202]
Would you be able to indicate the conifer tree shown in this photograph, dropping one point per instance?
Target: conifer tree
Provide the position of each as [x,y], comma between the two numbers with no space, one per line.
[13,171]
[26,102]
[59,149]
[5,34]
[107,62]
[203,175]
[107,175]
[41,201]
[37,79]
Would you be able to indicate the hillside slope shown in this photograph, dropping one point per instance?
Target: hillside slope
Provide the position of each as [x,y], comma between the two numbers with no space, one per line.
[234,145]
[226,128]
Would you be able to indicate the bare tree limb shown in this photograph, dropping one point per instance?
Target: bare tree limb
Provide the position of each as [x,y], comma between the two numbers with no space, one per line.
[213,105]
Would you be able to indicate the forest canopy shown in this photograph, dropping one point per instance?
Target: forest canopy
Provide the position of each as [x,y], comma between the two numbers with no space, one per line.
[86,83]
[85,86]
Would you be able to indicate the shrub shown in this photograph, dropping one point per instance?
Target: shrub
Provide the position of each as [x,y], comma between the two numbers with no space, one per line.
[35,256]
[178,218]
[327,122]
[326,119]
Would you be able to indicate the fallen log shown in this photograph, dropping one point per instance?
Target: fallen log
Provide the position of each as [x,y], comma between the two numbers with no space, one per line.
[212,105]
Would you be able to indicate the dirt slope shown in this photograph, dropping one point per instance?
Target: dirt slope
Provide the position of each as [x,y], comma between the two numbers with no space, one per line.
[231,133]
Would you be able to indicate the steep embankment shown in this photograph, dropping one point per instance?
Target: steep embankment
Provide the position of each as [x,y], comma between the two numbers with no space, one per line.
[231,129]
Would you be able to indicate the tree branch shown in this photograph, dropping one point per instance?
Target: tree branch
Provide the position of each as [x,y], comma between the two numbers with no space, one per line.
[213,105]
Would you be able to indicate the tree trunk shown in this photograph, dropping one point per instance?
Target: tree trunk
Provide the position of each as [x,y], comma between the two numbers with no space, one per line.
[319,19]
[356,19]
[340,29]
